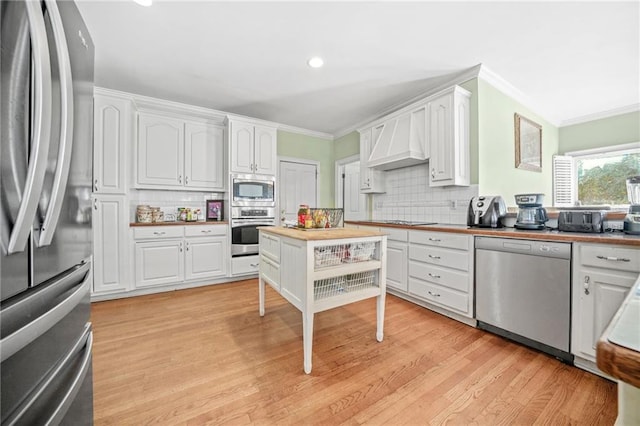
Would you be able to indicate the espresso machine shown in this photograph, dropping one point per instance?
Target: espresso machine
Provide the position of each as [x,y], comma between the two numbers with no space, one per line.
[631,224]
[531,214]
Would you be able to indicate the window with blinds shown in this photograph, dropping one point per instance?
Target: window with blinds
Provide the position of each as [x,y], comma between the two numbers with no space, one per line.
[564,188]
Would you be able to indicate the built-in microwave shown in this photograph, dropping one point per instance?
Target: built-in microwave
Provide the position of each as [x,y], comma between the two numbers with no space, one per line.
[253,190]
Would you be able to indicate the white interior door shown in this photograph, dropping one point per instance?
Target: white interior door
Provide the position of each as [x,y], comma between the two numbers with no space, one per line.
[298,185]
[355,203]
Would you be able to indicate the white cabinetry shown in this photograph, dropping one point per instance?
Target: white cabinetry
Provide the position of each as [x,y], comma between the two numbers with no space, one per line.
[173,153]
[441,270]
[110,254]
[113,133]
[602,277]
[448,138]
[253,148]
[174,254]
[112,136]
[371,180]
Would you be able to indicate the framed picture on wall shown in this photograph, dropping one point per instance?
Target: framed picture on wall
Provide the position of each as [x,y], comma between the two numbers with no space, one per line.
[528,144]
[215,209]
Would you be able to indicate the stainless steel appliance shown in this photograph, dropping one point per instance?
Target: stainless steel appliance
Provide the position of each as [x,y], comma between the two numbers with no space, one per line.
[244,228]
[46,110]
[523,292]
[487,211]
[581,221]
[253,190]
[531,214]
[631,224]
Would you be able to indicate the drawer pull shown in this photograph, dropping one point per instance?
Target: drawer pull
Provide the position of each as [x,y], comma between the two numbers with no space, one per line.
[158,232]
[205,231]
[434,257]
[434,294]
[435,240]
[434,276]
[614,259]
[254,265]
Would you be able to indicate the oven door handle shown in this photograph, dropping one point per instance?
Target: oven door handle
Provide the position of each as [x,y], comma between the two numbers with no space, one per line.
[235,223]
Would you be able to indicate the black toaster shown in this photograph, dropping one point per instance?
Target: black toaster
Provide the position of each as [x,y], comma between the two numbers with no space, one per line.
[581,221]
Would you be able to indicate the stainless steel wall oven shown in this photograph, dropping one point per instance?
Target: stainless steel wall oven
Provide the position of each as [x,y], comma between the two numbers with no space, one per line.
[244,228]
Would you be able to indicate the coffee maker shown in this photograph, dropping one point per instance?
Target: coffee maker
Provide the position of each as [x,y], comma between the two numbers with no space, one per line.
[631,224]
[531,214]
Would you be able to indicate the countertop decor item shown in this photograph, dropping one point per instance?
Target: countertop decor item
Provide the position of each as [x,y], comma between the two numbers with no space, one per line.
[528,144]
[215,210]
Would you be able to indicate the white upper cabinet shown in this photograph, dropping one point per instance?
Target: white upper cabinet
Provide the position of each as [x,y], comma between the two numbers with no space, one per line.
[203,151]
[370,179]
[160,150]
[253,148]
[112,135]
[173,153]
[448,138]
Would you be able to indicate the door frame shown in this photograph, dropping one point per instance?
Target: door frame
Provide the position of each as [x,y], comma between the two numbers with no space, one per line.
[281,159]
[339,168]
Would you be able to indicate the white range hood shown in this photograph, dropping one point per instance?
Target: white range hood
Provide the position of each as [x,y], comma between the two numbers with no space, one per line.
[400,141]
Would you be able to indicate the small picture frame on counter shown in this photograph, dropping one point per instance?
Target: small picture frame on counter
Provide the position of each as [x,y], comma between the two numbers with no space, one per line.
[215,210]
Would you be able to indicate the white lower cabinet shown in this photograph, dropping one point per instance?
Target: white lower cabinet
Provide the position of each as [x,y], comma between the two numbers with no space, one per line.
[110,244]
[441,270]
[602,277]
[175,254]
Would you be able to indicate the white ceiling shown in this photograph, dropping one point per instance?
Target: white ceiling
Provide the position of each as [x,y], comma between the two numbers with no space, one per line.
[570,59]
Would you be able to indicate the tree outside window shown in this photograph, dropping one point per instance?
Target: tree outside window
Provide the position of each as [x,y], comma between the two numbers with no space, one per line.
[602,181]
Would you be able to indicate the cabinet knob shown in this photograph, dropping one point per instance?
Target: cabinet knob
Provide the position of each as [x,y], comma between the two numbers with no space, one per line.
[95,185]
[433,173]
[186,180]
[180,247]
[586,284]
[95,204]
[180,179]
[187,246]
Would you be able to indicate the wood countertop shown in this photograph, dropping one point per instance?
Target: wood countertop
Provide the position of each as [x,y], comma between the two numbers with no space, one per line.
[179,223]
[618,350]
[321,234]
[547,235]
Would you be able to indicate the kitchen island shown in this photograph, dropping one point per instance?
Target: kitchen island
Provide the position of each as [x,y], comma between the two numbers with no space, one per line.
[317,270]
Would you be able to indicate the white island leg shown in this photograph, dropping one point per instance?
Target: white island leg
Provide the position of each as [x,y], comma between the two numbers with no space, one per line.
[380,317]
[307,339]
[261,295]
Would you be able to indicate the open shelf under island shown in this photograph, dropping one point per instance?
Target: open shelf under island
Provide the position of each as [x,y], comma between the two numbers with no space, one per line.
[320,270]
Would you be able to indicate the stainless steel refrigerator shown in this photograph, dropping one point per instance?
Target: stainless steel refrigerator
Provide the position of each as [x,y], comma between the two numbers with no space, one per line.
[46,111]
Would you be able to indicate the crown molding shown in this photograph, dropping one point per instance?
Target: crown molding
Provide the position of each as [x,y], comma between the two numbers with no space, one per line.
[142,102]
[600,115]
[516,94]
[456,78]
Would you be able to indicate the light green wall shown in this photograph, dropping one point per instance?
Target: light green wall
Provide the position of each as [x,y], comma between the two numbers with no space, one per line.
[310,148]
[617,130]
[497,174]
[347,145]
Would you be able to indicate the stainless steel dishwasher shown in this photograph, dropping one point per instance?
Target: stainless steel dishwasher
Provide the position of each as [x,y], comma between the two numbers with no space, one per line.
[523,292]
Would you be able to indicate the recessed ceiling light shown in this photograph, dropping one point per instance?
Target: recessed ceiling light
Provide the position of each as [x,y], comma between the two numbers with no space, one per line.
[145,3]
[315,62]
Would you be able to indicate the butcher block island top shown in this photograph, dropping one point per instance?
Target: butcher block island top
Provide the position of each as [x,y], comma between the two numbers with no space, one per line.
[320,233]
[320,270]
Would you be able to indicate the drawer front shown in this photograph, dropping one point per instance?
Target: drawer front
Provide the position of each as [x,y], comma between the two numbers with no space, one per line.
[245,265]
[439,256]
[157,232]
[441,239]
[449,278]
[205,230]
[439,295]
[395,234]
[611,257]
[270,272]
[270,246]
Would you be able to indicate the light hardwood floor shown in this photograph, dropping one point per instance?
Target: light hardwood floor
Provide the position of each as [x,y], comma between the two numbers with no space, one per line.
[205,356]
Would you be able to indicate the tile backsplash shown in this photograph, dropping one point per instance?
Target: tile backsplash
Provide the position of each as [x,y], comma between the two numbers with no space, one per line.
[169,201]
[409,197]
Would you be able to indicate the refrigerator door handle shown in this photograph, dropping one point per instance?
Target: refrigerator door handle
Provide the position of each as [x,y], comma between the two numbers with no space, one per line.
[86,342]
[66,128]
[20,338]
[41,130]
